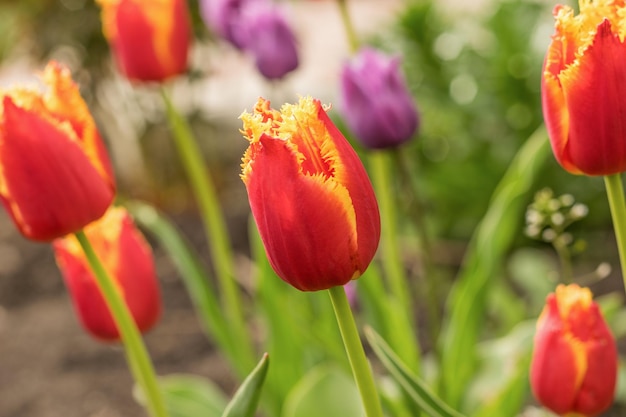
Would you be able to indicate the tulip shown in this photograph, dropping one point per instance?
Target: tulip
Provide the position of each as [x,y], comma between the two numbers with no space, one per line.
[223,17]
[150,39]
[376,103]
[55,175]
[310,195]
[583,88]
[574,364]
[127,258]
[269,39]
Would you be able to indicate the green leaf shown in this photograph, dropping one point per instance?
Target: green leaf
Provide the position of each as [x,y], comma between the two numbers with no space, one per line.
[324,391]
[191,396]
[194,276]
[246,399]
[417,389]
[488,247]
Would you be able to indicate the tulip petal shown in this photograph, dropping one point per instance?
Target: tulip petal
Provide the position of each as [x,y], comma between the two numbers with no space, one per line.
[49,187]
[594,89]
[598,387]
[558,363]
[324,255]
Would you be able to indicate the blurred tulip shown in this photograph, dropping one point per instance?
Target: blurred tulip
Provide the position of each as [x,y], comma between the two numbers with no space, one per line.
[269,39]
[55,175]
[310,196]
[574,365]
[127,257]
[150,39]
[376,103]
[224,18]
[583,88]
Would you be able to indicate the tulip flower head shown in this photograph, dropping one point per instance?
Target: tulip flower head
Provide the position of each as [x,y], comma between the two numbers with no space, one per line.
[310,195]
[376,103]
[584,85]
[150,39]
[224,18]
[268,37]
[127,258]
[574,365]
[55,175]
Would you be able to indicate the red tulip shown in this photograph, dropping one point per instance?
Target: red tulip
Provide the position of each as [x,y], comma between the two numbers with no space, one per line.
[127,258]
[310,196]
[583,88]
[150,39]
[55,175]
[574,365]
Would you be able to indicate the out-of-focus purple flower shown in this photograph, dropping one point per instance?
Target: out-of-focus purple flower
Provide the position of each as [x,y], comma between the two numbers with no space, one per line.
[224,18]
[269,39]
[375,100]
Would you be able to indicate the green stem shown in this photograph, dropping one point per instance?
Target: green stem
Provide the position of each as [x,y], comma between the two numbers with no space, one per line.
[353,39]
[567,274]
[356,354]
[136,352]
[431,279]
[400,297]
[615,193]
[390,252]
[214,224]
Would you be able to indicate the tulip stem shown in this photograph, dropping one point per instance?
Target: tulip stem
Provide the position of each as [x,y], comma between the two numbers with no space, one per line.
[356,354]
[353,39]
[215,229]
[615,193]
[136,353]
[400,293]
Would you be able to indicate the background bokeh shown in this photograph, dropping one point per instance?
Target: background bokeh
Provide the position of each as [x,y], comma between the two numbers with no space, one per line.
[473,67]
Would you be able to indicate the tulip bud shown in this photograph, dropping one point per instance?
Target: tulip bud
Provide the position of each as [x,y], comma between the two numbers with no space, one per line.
[269,39]
[583,88]
[127,258]
[150,39]
[574,365]
[310,195]
[376,103]
[55,175]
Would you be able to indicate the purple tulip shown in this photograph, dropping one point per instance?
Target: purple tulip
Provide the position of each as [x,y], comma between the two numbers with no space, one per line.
[269,39]
[375,101]
[224,18]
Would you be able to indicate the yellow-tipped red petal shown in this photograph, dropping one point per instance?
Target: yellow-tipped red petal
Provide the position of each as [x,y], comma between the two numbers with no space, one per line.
[583,86]
[574,365]
[150,40]
[55,176]
[310,196]
[127,258]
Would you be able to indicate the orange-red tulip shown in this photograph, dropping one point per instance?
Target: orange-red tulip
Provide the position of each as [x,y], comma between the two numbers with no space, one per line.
[310,195]
[584,85]
[574,365]
[150,39]
[55,175]
[127,257]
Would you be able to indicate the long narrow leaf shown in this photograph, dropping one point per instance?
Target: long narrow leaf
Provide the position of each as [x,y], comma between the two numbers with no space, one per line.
[246,399]
[491,241]
[194,276]
[417,389]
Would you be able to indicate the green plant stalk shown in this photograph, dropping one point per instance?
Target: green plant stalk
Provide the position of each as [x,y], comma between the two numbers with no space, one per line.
[431,279]
[356,354]
[136,353]
[214,224]
[615,194]
[391,258]
[353,40]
